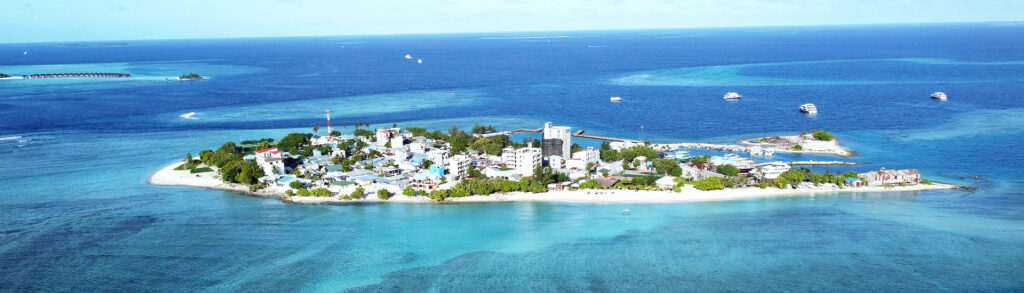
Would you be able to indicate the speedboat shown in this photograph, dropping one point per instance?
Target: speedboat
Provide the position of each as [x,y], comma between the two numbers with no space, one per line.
[732,96]
[616,99]
[939,96]
[809,109]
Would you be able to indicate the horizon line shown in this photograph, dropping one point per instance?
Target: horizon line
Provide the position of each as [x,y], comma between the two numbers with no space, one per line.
[1013,22]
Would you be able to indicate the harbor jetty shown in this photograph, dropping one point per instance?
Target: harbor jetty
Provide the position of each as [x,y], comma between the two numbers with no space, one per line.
[820,163]
[75,75]
[511,132]
[579,133]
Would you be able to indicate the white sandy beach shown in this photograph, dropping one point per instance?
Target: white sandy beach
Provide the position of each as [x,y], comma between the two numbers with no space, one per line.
[169,176]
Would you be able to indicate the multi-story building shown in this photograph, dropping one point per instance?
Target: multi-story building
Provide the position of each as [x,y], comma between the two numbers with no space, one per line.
[589,155]
[384,135]
[438,156]
[556,140]
[458,167]
[772,170]
[527,159]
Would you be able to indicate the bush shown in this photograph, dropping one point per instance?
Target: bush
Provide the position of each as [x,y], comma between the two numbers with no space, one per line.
[798,147]
[823,135]
[358,193]
[728,170]
[926,182]
[700,159]
[295,184]
[321,192]
[408,191]
[710,183]
[289,192]
[302,192]
[383,194]
[677,189]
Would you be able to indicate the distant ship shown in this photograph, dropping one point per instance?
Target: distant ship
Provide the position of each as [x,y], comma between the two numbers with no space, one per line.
[407,56]
[809,109]
[939,96]
[616,99]
[732,96]
[420,61]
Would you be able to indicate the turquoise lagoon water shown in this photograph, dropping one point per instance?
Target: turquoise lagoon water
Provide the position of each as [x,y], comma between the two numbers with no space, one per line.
[78,215]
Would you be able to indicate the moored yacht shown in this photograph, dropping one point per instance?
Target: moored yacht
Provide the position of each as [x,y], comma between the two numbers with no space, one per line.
[809,109]
[732,96]
[615,99]
[939,96]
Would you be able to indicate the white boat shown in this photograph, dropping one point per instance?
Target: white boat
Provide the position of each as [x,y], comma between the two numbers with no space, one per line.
[732,96]
[809,109]
[615,99]
[768,152]
[407,56]
[420,61]
[189,115]
[939,96]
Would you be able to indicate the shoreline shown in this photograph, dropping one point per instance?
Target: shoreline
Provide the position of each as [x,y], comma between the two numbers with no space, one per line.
[167,176]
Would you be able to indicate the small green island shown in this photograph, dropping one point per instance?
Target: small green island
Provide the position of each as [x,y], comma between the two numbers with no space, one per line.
[191,76]
[4,75]
[417,165]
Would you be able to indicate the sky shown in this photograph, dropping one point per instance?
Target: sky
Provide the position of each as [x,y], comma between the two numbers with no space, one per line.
[101,20]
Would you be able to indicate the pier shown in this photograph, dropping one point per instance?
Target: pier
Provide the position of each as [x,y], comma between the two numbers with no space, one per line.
[579,133]
[511,132]
[75,75]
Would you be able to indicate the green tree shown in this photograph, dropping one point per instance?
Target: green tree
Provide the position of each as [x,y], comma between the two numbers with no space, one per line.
[700,159]
[316,128]
[798,147]
[408,191]
[383,194]
[710,183]
[295,184]
[358,193]
[823,135]
[728,170]
[321,192]
[676,171]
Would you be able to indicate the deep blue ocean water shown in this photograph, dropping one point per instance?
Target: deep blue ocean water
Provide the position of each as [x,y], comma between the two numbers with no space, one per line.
[76,213]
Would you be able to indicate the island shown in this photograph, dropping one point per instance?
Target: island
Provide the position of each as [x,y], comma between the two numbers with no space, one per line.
[4,75]
[191,76]
[814,142]
[417,165]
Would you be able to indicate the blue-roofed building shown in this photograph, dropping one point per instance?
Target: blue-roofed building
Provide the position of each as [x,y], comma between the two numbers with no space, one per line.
[418,158]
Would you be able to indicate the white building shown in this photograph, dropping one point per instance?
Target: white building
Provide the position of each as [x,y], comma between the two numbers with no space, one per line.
[555,162]
[619,145]
[508,156]
[271,160]
[458,167]
[556,140]
[527,159]
[772,170]
[397,141]
[589,155]
[384,135]
[418,147]
[438,156]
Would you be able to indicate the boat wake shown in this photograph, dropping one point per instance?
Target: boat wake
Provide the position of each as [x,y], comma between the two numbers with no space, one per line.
[189,115]
[10,138]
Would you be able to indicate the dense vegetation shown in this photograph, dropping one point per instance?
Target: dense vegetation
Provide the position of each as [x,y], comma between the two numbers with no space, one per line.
[4,75]
[190,76]
[233,169]
[728,170]
[823,135]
